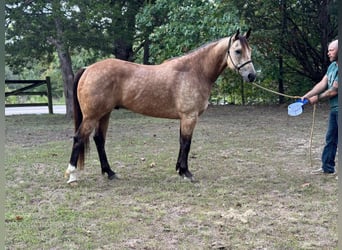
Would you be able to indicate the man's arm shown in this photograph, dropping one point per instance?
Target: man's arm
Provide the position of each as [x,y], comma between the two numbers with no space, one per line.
[329,93]
[318,88]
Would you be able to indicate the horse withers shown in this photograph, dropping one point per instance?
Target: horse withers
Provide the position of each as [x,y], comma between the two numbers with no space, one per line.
[178,88]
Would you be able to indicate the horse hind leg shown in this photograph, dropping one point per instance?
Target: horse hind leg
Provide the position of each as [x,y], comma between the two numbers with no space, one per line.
[80,144]
[77,147]
[100,139]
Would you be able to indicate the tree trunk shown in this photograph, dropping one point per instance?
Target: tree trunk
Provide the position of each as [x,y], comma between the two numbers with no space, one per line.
[281,51]
[68,79]
[281,79]
[123,50]
[66,67]
[243,93]
[323,17]
[146,51]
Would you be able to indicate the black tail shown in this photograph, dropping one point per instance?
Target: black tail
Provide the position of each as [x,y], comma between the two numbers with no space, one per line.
[78,117]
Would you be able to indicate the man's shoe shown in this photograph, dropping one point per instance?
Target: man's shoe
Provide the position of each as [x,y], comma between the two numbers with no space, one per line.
[321,171]
[317,171]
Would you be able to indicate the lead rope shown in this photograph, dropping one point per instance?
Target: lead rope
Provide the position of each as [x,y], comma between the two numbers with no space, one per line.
[311,133]
[313,115]
[275,92]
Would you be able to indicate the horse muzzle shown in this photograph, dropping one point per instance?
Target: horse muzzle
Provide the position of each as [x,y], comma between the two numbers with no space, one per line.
[251,77]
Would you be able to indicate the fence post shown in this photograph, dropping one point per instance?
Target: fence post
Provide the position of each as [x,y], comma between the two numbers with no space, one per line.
[49,94]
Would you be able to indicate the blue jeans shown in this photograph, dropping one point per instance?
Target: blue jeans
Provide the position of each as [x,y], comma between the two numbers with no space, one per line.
[331,141]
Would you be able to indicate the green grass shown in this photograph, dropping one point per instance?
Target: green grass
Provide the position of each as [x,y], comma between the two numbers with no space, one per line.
[254,190]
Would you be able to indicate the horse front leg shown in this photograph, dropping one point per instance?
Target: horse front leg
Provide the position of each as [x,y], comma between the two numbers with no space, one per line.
[99,138]
[186,130]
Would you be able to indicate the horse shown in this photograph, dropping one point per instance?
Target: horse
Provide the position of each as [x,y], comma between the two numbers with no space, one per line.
[178,88]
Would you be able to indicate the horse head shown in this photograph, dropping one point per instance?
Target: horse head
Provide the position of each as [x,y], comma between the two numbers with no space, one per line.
[239,56]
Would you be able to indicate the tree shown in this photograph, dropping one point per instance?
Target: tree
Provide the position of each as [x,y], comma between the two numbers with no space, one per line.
[110,26]
[294,33]
[43,27]
[35,29]
[176,27]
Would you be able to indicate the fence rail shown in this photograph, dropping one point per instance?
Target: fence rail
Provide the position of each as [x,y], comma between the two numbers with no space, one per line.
[31,84]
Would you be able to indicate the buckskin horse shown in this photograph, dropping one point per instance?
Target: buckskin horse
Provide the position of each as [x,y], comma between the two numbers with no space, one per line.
[179,88]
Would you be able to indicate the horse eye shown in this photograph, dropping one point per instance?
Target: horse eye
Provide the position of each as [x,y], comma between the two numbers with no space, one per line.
[238,52]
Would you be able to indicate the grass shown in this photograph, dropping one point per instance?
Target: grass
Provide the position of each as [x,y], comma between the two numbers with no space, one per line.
[254,190]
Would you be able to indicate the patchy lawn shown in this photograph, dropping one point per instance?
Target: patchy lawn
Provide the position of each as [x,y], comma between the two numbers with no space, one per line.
[254,188]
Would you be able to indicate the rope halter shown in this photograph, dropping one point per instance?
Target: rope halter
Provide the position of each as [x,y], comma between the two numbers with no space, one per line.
[237,67]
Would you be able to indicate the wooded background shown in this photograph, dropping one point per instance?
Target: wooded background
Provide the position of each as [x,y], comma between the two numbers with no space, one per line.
[56,38]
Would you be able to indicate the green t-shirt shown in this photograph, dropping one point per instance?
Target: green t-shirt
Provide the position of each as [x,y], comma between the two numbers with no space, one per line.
[332,74]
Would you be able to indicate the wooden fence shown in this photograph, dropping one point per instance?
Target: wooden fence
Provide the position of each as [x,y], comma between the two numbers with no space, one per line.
[27,90]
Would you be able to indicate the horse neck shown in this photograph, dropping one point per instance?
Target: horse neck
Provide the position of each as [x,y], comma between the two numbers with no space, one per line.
[211,60]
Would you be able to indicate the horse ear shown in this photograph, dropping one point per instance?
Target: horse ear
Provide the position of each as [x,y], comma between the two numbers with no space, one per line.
[248,33]
[236,37]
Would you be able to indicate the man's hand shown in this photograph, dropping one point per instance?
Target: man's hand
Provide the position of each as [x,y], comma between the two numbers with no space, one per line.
[313,99]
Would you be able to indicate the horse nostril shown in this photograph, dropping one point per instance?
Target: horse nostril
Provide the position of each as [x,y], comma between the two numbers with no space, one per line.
[251,77]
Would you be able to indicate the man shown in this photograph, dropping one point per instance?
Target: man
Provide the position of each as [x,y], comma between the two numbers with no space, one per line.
[327,88]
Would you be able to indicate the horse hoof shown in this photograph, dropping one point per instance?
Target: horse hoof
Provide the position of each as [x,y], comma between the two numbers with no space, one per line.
[112,177]
[71,169]
[189,178]
[71,174]
[73,184]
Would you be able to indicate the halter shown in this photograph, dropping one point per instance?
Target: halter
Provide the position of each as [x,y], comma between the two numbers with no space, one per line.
[231,59]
